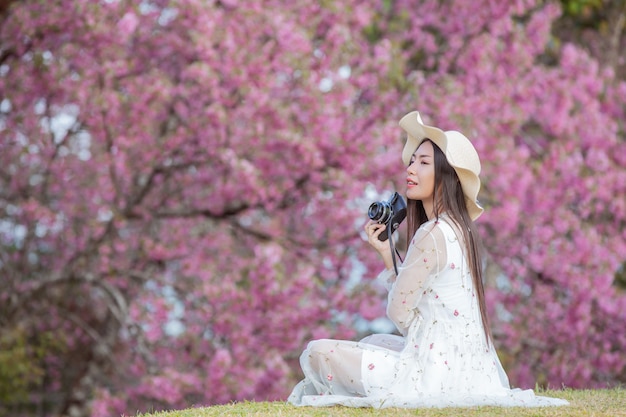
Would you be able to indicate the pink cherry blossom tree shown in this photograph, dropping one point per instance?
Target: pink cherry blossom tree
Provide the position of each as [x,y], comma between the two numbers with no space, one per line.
[180,193]
[183,185]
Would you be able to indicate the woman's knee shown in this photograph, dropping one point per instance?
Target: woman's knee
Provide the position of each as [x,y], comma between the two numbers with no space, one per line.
[321,345]
[318,352]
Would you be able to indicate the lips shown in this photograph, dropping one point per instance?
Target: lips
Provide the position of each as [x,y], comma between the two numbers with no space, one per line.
[410,182]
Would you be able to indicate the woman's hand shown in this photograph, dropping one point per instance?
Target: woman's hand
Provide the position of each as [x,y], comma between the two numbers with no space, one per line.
[373,230]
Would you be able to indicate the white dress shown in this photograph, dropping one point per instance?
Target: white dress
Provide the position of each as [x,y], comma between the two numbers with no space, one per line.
[442,358]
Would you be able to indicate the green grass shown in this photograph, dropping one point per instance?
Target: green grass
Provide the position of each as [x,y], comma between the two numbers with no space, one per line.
[587,403]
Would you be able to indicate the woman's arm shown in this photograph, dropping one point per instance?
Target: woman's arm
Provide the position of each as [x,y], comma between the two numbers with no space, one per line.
[425,258]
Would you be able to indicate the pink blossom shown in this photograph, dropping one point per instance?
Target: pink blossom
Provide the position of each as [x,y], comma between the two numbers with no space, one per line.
[128,24]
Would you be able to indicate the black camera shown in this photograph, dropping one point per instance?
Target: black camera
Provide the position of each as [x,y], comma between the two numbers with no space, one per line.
[391,213]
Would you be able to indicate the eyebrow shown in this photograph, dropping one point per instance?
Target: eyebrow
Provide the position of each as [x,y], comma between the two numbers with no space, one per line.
[421,156]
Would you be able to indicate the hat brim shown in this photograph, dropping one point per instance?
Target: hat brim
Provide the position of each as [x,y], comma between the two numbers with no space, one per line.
[470,183]
[417,131]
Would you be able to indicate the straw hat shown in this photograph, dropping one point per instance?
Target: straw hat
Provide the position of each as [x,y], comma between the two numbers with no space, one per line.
[459,152]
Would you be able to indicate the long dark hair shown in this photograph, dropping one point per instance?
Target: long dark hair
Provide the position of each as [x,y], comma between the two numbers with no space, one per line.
[449,198]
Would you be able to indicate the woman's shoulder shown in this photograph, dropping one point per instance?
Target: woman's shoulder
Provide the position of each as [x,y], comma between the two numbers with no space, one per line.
[440,224]
[428,232]
[437,229]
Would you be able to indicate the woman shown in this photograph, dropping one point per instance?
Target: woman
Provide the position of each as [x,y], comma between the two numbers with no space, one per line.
[445,355]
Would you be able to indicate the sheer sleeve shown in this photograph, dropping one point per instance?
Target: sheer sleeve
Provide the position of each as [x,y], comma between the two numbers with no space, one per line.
[425,257]
[386,278]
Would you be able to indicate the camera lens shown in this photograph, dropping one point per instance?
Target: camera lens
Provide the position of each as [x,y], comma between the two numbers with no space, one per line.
[379,212]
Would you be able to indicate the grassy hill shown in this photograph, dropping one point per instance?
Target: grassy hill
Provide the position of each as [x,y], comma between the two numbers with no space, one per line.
[587,403]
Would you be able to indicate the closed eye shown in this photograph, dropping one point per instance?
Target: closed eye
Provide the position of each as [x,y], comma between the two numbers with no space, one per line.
[424,159]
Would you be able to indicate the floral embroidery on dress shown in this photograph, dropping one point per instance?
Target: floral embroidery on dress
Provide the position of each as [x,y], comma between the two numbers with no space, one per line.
[329,377]
[370,366]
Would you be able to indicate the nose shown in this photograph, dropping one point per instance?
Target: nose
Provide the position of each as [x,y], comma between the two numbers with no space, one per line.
[411,169]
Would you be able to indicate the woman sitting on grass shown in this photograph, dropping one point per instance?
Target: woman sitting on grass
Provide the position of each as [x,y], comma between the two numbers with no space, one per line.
[445,355]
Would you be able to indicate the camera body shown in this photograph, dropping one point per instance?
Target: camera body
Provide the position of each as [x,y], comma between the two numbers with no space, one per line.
[391,212]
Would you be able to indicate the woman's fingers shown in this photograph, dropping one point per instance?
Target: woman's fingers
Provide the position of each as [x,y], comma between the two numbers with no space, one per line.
[372,227]
[378,230]
[373,231]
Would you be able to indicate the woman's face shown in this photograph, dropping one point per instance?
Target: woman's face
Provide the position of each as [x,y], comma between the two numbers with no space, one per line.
[420,182]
